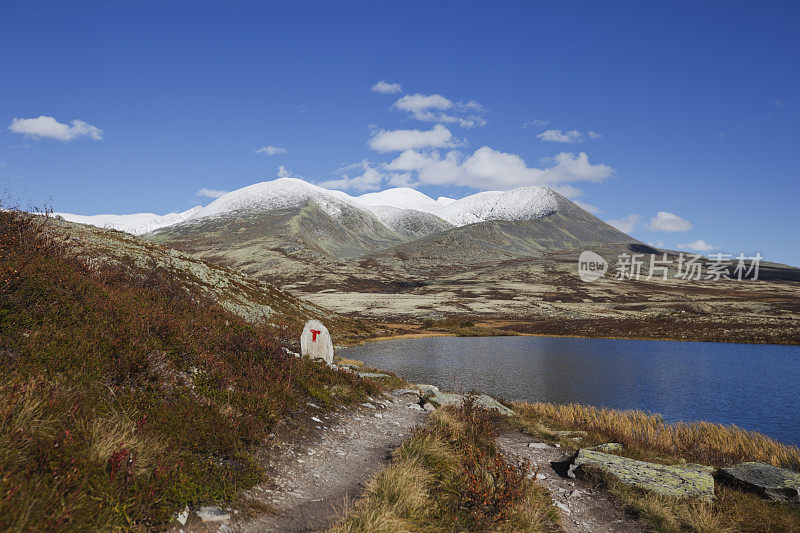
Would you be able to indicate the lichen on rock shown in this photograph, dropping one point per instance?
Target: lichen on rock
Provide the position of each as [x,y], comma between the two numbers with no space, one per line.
[681,481]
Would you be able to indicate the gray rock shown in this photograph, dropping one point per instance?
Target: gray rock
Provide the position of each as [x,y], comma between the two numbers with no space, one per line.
[539,445]
[373,375]
[768,481]
[609,447]
[414,407]
[183,516]
[681,481]
[571,433]
[429,407]
[438,398]
[212,513]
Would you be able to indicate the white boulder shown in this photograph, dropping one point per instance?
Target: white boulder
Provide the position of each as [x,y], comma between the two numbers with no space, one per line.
[315,342]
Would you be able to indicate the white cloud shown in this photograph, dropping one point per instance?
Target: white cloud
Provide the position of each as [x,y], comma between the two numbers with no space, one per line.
[212,193]
[594,135]
[437,108]
[626,224]
[366,178]
[665,221]
[384,87]
[400,140]
[47,127]
[491,169]
[283,172]
[556,136]
[656,244]
[270,150]
[697,246]
[535,124]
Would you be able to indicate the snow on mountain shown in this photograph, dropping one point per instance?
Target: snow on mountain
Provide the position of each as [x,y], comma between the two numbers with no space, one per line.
[276,194]
[408,221]
[401,197]
[400,209]
[136,224]
[524,203]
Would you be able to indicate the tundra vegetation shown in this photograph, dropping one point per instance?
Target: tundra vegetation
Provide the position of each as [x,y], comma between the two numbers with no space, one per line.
[646,436]
[126,394]
[450,476]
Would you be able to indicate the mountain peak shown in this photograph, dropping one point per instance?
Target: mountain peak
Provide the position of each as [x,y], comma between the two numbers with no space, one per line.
[530,202]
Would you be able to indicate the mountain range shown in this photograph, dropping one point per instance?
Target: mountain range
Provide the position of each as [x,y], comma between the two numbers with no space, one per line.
[287,227]
[503,258]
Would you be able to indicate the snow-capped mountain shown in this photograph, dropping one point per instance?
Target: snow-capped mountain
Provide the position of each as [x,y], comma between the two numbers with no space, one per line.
[294,232]
[524,203]
[136,224]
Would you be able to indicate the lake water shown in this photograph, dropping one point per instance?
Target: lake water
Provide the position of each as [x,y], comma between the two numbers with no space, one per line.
[754,386]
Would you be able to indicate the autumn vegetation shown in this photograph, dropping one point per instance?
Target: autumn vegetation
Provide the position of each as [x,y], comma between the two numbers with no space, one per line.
[646,436]
[451,476]
[125,395]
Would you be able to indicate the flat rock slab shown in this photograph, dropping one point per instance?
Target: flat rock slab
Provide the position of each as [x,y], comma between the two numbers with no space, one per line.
[681,481]
[769,481]
[373,375]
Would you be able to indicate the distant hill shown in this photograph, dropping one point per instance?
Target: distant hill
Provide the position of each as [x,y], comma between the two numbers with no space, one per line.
[288,229]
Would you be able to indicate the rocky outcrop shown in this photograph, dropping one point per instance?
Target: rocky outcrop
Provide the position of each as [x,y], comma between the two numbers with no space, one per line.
[432,394]
[769,481]
[681,481]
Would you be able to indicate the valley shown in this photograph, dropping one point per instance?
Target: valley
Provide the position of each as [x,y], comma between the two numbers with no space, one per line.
[507,260]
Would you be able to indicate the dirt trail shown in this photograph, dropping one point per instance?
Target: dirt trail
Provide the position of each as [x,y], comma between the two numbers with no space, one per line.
[312,480]
[583,508]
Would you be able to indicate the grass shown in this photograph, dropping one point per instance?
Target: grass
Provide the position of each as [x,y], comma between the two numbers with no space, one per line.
[449,476]
[126,394]
[732,511]
[463,328]
[647,437]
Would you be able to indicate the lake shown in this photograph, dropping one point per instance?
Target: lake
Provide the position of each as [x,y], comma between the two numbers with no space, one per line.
[754,386]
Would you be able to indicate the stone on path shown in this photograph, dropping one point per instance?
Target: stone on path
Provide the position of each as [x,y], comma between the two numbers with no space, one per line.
[212,514]
[315,342]
[681,481]
[766,480]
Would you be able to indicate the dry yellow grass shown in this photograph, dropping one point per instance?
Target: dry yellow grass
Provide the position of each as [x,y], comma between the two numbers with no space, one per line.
[423,488]
[117,432]
[702,442]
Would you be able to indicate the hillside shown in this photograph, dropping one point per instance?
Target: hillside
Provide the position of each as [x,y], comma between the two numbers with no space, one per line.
[505,259]
[566,228]
[129,389]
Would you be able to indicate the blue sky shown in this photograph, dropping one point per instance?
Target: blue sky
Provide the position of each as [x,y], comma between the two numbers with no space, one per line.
[694,106]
